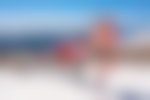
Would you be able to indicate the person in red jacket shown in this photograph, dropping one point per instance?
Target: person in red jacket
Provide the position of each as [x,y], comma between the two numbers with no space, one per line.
[103,49]
[68,52]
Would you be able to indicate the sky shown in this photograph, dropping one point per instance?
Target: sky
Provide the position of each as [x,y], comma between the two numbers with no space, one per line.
[72,13]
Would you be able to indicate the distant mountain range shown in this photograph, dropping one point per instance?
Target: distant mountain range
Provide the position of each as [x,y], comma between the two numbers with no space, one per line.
[35,40]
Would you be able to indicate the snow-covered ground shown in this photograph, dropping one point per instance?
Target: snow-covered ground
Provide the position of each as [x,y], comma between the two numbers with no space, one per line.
[126,83]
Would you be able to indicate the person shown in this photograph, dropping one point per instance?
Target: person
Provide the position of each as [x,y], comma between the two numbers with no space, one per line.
[102,54]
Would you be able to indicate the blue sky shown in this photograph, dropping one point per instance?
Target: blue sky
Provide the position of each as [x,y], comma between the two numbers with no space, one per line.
[72,4]
[128,12]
